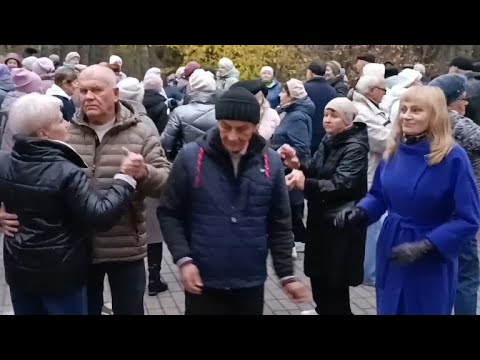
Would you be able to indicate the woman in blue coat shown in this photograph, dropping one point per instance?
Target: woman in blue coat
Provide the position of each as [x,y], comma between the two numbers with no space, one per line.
[295,129]
[426,184]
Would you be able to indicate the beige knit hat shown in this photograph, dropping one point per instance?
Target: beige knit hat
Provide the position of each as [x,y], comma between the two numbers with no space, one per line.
[344,108]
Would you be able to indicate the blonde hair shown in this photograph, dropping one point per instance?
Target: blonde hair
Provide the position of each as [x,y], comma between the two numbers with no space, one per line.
[439,130]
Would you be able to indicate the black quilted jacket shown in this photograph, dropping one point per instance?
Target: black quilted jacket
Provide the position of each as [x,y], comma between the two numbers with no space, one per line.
[188,122]
[42,182]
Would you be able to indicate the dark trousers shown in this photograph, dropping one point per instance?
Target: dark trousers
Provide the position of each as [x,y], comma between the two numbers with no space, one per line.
[127,284]
[72,303]
[330,300]
[155,255]
[298,228]
[225,302]
[468,280]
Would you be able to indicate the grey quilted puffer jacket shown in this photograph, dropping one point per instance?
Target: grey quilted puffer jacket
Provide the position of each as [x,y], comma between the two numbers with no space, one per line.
[467,135]
[188,122]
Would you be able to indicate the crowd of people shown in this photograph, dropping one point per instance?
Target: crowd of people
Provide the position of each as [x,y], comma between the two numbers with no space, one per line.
[98,169]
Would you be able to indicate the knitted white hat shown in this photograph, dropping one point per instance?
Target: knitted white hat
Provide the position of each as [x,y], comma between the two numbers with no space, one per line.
[202,80]
[71,55]
[131,89]
[114,59]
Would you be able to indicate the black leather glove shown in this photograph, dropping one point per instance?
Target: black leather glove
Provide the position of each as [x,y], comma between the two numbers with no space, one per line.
[350,217]
[408,253]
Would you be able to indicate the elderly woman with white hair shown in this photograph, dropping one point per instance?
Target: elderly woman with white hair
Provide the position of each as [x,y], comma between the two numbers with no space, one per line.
[42,181]
[367,96]
[227,74]
[422,70]
[117,61]
[273,86]
[335,179]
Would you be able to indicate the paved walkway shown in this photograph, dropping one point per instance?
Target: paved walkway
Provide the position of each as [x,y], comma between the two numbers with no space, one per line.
[172,302]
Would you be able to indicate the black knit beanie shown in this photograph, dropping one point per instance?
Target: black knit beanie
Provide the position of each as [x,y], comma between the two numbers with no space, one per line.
[254,86]
[368,57]
[238,104]
[462,63]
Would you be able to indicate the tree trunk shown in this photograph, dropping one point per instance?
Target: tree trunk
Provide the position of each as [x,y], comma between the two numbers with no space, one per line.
[144,60]
[84,51]
[447,52]
[153,60]
[51,49]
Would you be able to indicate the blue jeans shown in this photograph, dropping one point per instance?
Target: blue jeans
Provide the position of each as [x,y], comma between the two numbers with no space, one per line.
[373,231]
[468,280]
[71,303]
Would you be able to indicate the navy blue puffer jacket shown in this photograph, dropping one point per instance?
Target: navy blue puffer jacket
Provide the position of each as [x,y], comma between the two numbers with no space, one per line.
[225,223]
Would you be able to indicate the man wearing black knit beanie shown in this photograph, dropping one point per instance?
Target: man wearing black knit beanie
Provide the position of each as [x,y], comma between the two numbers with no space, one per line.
[224,207]
[466,67]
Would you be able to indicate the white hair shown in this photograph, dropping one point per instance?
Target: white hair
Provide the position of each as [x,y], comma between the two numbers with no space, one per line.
[226,62]
[420,68]
[33,112]
[366,82]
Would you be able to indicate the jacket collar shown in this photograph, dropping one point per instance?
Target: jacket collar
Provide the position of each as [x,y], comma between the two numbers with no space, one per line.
[369,103]
[126,116]
[212,143]
[27,147]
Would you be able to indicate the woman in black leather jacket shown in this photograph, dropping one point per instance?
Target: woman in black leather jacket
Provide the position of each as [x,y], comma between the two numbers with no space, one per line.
[335,178]
[42,182]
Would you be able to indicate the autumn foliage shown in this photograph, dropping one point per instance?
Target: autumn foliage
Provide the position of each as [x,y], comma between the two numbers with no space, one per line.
[292,60]
[248,59]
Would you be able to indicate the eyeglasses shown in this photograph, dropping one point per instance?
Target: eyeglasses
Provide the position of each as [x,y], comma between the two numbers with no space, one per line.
[383,89]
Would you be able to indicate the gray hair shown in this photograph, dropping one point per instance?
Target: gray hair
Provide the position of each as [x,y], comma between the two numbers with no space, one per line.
[99,72]
[366,82]
[64,73]
[33,112]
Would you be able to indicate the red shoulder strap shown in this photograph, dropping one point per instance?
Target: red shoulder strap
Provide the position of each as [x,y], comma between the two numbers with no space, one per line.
[201,154]
[266,160]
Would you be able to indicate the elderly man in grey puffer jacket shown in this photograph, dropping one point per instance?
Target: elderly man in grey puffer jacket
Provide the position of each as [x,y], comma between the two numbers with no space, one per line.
[467,135]
[189,122]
